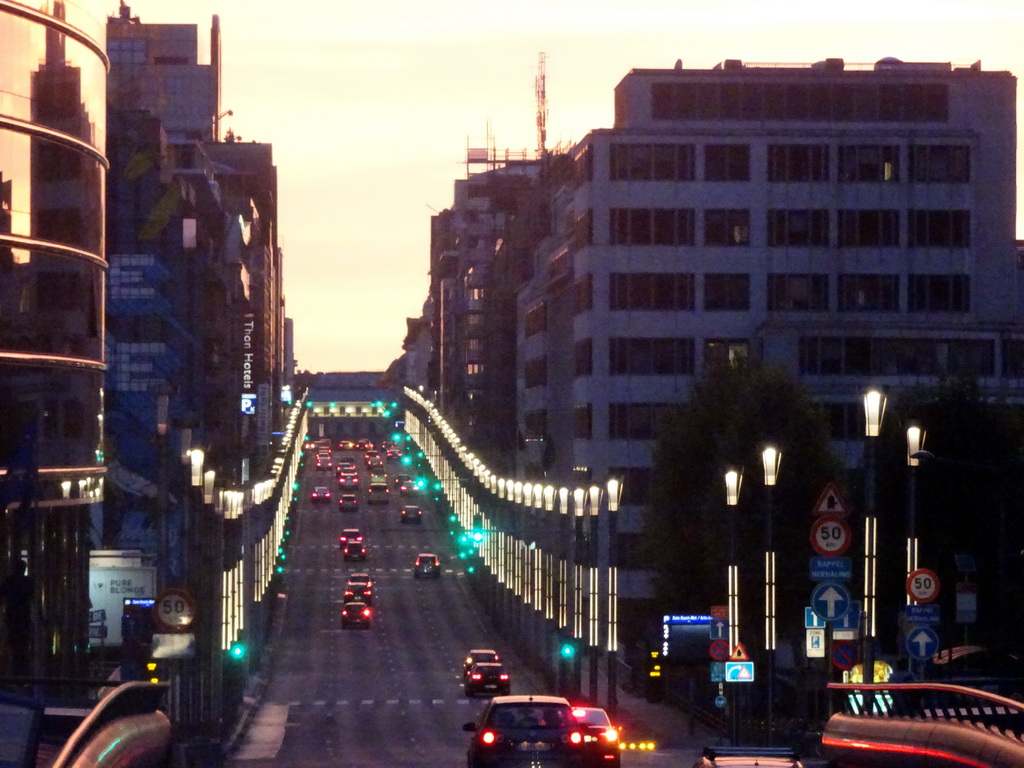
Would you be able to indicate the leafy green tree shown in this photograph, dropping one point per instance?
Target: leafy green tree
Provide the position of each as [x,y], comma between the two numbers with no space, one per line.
[733,412]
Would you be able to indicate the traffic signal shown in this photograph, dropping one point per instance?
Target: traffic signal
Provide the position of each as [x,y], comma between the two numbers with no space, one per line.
[567,649]
[237,651]
[396,437]
[406,460]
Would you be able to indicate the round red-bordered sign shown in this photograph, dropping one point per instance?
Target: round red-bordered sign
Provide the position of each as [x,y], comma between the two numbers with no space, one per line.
[830,535]
[174,609]
[719,649]
[923,585]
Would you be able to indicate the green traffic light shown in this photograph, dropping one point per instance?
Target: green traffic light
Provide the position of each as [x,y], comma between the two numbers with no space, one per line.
[478,536]
[567,651]
[396,437]
[470,569]
[237,651]
[406,460]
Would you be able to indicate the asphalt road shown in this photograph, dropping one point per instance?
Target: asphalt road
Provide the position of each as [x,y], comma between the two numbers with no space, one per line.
[390,696]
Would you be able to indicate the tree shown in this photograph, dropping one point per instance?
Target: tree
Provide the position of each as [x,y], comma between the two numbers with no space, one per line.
[732,413]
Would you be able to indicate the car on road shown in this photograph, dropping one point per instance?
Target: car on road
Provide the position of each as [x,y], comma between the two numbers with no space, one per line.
[487,677]
[348,502]
[600,738]
[748,757]
[353,550]
[356,613]
[346,445]
[525,730]
[412,514]
[427,566]
[378,493]
[348,481]
[320,494]
[350,534]
[477,655]
[363,444]
[356,591]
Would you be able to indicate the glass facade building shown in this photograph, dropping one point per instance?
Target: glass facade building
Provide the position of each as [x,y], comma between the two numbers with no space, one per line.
[52,264]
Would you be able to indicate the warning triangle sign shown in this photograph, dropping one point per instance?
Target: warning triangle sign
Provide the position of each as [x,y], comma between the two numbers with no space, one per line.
[739,653]
[830,502]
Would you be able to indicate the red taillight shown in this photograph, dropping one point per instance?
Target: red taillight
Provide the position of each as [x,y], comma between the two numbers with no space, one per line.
[488,737]
[476,676]
[366,612]
[575,737]
[504,676]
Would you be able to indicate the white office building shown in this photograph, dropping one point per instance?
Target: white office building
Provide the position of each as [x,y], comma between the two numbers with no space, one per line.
[853,224]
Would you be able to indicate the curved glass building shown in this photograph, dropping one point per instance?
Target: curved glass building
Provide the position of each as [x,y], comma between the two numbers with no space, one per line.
[52,265]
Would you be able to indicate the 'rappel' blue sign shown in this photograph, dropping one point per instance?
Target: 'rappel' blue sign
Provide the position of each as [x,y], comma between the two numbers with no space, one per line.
[831,569]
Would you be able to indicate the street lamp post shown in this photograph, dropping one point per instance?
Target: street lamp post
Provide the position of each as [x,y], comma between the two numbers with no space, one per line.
[579,496]
[874,411]
[614,488]
[733,482]
[593,600]
[771,458]
[915,444]
[562,617]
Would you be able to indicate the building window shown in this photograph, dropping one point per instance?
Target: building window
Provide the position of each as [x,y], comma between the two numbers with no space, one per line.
[831,102]
[535,425]
[634,421]
[865,228]
[650,356]
[939,293]
[474,369]
[535,372]
[838,356]
[869,293]
[474,320]
[845,420]
[651,291]
[536,320]
[790,293]
[651,162]
[798,162]
[583,166]
[725,352]
[583,354]
[727,162]
[950,229]
[643,226]
[869,162]
[583,421]
[583,294]
[583,229]
[727,227]
[799,227]
[1013,358]
[940,163]
[726,292]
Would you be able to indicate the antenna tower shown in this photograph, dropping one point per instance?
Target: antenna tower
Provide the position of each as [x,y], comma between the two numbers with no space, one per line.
[542,107]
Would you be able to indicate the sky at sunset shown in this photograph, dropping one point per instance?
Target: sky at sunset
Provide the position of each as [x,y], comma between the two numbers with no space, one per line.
[371,106]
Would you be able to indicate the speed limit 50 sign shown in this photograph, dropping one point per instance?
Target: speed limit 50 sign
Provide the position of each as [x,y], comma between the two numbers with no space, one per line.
[923,585]
[830,535]
[174,609]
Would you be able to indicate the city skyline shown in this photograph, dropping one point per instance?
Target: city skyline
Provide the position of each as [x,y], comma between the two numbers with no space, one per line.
[333,90]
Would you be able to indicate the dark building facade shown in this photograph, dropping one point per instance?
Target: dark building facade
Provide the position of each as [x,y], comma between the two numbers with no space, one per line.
[52,265]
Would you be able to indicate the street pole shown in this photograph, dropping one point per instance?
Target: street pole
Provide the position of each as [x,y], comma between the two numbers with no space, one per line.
[771,459]
[733,482]
[874,410]
[593,601]
[614,495]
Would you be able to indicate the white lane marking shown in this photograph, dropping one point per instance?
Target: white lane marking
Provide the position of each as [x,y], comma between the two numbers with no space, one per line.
[264,737]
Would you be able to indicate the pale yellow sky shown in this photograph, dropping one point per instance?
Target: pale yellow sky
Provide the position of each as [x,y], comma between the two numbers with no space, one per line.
[370,108]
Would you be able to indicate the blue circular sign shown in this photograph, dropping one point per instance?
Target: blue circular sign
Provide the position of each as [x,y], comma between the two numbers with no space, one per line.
[720,701]
[922,643]
[830,601]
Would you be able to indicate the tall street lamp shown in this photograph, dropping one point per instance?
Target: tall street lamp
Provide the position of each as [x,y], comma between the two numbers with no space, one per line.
[614,487]
[771,458]
[915,444]
[733,481]
[593,601]
[874,411]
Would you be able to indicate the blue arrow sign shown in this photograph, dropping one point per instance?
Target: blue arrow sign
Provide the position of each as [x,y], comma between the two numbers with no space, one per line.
[830,600]
[719,629]
[923,614]
[922,642]
[812,620]
[739,671]
[831,569]
[851,621]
